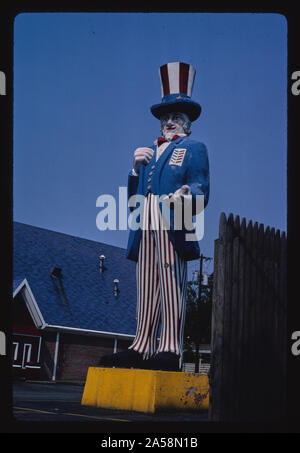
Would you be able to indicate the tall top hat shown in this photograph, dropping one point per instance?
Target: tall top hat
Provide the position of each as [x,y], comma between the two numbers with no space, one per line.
[177,80]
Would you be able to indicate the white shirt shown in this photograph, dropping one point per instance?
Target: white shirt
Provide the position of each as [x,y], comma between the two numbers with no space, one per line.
[159,150]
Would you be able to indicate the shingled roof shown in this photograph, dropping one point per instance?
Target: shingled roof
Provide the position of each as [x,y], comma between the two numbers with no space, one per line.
[83,298]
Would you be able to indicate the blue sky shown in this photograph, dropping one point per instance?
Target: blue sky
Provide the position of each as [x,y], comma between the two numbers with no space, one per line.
[83,87]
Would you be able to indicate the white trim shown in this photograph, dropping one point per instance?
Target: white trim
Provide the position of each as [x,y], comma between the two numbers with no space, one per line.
[24,359]
[34,336]
[31,303]
[16,350]
[19,287]
[55,356]
[27,366]
[39,350]
[40,323]
[115,345]
[97,333]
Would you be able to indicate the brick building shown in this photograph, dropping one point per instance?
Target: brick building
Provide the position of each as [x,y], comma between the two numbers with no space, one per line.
[70,307]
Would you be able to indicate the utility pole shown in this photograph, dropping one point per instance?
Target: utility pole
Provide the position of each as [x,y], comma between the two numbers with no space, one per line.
[202,258]
[200,278]
[197,364]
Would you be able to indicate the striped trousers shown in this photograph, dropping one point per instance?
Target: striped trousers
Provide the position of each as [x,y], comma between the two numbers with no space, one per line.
[161,287]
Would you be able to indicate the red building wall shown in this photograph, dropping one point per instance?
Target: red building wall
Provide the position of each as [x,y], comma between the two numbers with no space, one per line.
[76,353]
[27,342]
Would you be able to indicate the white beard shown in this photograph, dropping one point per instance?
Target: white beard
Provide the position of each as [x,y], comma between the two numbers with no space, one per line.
[169,135]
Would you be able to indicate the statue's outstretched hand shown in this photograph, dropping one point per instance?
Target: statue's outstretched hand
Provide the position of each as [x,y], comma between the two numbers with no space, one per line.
[181,195]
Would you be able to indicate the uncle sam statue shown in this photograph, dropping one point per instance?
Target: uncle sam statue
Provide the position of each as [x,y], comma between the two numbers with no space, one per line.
[172,172]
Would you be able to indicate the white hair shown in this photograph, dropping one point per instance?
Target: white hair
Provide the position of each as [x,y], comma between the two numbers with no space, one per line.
[187,124]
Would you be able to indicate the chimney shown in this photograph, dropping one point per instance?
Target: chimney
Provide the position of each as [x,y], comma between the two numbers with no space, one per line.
[56,272]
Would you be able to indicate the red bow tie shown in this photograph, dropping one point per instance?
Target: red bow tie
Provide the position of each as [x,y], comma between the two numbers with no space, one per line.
[161,140]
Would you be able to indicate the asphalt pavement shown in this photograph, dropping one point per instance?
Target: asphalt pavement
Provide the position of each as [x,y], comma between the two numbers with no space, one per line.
[61,402]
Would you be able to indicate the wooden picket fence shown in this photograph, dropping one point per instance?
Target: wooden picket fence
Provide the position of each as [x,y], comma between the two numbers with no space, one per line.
[248,362]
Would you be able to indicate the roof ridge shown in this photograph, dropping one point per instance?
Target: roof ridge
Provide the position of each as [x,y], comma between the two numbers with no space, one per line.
[69,235]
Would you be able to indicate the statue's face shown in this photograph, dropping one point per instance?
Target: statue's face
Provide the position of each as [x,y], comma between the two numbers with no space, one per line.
[173,123]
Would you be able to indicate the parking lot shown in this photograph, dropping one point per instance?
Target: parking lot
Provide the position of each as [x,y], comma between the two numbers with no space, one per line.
[59,402]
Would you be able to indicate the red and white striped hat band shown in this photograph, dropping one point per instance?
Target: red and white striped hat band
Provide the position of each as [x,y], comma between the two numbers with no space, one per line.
[177,78]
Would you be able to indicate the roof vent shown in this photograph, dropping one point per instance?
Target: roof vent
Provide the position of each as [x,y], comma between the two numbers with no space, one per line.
[116,287]
[56,272]
[102,258]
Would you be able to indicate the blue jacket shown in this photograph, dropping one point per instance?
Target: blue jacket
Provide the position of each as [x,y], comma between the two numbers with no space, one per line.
[166,176]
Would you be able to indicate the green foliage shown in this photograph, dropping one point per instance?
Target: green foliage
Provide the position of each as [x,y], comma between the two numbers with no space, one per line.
[198,319]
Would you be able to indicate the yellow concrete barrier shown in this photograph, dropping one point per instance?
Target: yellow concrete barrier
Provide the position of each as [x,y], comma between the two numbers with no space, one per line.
[145,390]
